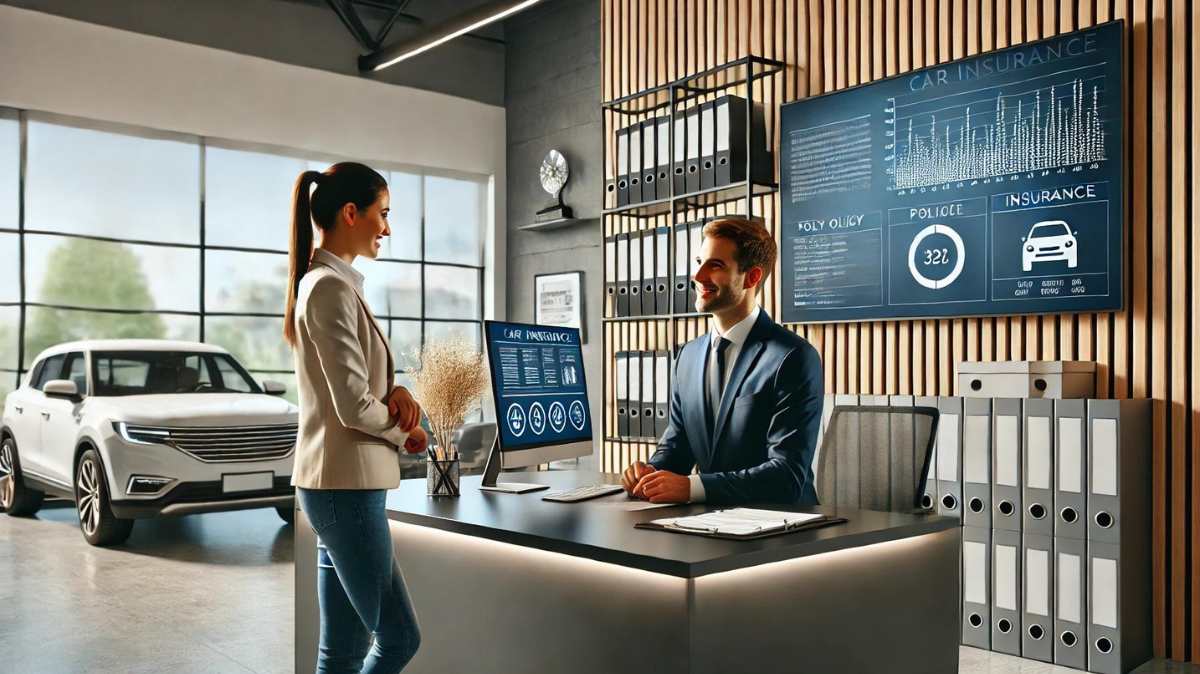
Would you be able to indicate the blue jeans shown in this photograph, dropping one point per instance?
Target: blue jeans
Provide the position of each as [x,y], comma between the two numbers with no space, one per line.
[359,585]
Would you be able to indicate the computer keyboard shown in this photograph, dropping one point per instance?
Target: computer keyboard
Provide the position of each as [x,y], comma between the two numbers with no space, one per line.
[583,493]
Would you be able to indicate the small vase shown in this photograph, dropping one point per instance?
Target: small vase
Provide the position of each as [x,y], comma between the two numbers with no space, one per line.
[441,477]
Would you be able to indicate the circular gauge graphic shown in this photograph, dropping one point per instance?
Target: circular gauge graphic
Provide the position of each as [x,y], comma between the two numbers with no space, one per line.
[537,418]
[578,415]
[923,258]
[515,416]
[558,417]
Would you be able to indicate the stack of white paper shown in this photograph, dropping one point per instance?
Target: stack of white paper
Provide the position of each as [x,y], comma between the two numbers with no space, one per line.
[739,521]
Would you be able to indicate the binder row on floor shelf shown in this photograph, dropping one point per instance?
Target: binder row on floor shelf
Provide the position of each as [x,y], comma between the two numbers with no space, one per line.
[643,389]
[1054,498]
[647,272]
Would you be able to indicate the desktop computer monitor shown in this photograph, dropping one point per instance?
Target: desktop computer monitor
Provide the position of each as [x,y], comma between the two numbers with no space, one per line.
[540,392]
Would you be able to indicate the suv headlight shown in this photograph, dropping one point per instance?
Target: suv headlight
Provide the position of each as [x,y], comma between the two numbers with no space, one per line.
[141,435]
[1070,243]
[1029,248]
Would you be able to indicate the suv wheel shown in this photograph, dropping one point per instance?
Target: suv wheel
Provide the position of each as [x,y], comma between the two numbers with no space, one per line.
[96,519]
[15,498]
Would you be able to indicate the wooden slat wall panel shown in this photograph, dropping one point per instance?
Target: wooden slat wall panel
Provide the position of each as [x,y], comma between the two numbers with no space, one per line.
[1147,350]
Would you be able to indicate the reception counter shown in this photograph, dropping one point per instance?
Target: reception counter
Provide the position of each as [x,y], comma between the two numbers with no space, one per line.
[509,583]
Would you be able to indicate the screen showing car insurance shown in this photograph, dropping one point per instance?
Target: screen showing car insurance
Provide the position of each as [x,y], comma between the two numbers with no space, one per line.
[538,383]
[986,186]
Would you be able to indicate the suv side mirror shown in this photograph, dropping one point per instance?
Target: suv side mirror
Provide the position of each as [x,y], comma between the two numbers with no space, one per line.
[273,388]
[62,388]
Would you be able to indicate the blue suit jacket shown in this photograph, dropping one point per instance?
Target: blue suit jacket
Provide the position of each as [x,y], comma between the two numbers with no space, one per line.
[765,433]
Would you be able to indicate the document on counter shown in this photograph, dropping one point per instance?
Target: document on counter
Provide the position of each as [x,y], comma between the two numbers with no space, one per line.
[741,523]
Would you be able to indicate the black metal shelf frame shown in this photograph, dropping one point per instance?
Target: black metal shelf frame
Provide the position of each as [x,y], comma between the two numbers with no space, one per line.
[741,72]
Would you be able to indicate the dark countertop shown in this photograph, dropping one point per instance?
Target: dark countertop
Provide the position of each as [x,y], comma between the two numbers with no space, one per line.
[601,531]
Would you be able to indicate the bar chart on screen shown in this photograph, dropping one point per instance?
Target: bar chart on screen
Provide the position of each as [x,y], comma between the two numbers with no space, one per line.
[1049,123]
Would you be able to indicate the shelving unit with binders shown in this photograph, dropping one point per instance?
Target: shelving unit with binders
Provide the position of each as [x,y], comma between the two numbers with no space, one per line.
[678,155]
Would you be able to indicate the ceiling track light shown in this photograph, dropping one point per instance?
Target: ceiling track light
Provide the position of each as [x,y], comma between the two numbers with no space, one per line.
[464,23]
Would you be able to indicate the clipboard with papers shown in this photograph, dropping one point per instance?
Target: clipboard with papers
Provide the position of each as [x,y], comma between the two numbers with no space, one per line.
[741,524]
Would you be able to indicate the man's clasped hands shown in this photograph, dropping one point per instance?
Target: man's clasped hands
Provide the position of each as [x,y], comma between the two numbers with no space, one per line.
[644,481]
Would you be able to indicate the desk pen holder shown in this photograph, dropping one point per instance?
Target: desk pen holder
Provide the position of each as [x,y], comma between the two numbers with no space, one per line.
[441,477]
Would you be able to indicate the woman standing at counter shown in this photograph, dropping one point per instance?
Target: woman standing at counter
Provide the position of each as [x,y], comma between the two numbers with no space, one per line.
[352,422]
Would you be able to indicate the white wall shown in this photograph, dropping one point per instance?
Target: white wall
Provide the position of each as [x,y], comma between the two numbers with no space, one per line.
[58,65]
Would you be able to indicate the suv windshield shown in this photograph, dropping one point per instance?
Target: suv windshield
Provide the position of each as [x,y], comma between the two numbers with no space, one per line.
[1043,231]
[127,373]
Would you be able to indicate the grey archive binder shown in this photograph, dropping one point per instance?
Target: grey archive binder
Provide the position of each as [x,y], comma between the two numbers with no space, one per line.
[1006,464]
[649,272]
[977,462]
[1006,592]
[1070,596]
[1119,615]
[662,391]
[662,271]
[949,453]
[1070,469]
[649,394]
[976,586]
[1119,542]
[610,276]
[1037,489]
[929,498]
[635,393]
[681,277]
[622,394]
[635,274]
[1119,481]
[1037,605]
[622,275]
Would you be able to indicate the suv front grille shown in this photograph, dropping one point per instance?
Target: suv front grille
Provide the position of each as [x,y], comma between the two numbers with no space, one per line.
[224,443]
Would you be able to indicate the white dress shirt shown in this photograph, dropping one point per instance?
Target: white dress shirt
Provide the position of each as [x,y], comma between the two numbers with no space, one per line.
[737,337]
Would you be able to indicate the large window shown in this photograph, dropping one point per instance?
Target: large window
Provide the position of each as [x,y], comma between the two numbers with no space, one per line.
[138,233]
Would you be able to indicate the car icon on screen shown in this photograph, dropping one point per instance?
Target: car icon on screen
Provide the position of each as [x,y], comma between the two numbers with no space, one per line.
[1049,241]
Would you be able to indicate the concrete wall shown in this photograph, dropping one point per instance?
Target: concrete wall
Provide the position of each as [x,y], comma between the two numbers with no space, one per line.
[552,95]
[305,33]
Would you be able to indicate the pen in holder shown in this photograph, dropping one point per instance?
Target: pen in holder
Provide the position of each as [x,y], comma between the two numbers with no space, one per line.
[441,475]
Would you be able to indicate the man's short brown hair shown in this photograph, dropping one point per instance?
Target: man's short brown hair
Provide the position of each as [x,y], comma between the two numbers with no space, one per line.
[755,245]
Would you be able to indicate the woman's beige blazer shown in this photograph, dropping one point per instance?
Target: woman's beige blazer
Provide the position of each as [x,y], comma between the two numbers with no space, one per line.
[344,372]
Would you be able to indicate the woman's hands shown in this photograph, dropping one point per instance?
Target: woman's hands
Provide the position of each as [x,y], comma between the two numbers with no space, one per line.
[404,409]
[417,441]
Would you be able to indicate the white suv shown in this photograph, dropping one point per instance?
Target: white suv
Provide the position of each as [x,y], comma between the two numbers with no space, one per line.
[140,428]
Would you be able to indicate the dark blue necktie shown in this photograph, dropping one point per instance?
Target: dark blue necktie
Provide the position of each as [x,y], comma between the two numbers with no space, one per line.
[718,382]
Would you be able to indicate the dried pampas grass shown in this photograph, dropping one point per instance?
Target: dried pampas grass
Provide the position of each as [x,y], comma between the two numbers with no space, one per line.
[448,379]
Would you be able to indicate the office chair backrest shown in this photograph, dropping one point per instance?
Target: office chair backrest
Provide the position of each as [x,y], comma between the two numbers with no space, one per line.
[474,441]
[876,457]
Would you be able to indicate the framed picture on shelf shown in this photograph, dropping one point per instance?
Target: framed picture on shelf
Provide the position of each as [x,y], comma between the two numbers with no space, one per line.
[558,300]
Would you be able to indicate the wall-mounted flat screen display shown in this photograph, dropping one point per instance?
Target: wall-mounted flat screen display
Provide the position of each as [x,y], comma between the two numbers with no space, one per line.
[987,186]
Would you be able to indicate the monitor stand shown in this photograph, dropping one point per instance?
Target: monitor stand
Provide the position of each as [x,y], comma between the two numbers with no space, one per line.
[492,470]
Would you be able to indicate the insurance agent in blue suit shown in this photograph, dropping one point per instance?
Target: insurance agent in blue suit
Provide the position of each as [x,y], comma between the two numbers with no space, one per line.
[746,399]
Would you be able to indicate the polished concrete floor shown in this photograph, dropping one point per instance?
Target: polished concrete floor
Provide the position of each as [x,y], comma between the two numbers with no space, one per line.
[205,593]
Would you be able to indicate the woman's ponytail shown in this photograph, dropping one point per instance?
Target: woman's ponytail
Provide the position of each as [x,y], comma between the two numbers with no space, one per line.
[301,249]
